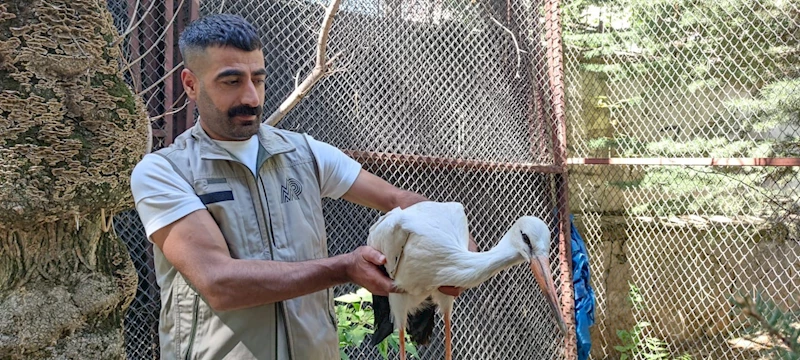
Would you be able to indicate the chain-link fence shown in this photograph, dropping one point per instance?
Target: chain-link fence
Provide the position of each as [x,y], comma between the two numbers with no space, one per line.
[454,100]
[685,84]
[149,31]
[436,97]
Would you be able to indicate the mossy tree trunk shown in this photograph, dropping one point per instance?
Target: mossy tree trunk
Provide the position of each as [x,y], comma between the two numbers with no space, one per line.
[70,133]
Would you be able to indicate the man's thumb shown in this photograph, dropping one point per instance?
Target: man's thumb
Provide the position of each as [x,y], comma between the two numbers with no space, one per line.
[373,256]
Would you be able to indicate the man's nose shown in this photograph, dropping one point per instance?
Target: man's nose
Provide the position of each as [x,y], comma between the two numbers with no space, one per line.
[250,96]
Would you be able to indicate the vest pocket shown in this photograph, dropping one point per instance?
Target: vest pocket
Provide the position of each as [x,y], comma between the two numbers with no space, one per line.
[231,208]
[193,333]
[332,310]
[188,313]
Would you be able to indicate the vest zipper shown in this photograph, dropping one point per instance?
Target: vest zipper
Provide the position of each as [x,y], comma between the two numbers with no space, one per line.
[282,309]
[195,311]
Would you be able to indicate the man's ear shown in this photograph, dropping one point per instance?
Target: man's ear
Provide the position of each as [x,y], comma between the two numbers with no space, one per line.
[191,84]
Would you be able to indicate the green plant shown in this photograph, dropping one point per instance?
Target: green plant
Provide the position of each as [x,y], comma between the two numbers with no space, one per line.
[355,322]
[768,317]
[636,345]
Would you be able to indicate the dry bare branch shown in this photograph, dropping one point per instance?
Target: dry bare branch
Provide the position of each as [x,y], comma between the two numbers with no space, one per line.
[513,37]
[131,26]
[185,104]
[167,28]
[320,70]
[163,78]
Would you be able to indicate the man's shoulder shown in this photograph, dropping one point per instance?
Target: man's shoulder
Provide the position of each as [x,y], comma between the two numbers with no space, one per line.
[289,136]
[281,132]
[149,166]
[181,142]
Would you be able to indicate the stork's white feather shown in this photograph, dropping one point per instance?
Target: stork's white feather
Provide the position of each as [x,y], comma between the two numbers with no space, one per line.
[431,228]
[427,246]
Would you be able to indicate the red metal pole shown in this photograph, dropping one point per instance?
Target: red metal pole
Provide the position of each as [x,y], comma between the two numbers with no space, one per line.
[169,96]
[449,163]
[194,14]
[555,73]
[687,161]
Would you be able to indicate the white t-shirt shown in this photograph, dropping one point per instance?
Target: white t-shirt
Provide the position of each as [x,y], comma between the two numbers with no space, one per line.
[163,197]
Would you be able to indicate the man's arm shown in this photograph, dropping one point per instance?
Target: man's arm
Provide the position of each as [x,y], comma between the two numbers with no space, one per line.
[197,249]
[373,192]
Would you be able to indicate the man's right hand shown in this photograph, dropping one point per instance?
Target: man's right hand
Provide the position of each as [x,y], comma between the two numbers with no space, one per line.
[363,269]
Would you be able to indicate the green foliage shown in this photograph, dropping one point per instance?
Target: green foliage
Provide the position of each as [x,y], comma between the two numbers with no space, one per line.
[637,345]
[766,317]
[778,103]
[683,48]
[355,322]
[710,191]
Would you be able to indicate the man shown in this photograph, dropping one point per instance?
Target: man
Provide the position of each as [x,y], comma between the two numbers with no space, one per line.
[234,209]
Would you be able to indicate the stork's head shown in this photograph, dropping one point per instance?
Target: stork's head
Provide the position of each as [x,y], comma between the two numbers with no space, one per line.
[532,239]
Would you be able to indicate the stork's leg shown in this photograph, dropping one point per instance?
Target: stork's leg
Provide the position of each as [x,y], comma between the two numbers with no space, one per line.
[448,350]
[402,344]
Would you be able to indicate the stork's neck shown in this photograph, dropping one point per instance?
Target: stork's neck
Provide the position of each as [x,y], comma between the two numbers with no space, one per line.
[479,267]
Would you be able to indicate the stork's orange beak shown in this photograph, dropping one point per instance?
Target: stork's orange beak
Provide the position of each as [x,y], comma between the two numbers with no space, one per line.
[540,266]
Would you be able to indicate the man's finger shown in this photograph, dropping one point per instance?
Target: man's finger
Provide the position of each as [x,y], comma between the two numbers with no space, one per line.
[373,256]
[450,290]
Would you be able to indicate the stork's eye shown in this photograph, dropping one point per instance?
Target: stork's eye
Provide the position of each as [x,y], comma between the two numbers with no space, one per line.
[527,240]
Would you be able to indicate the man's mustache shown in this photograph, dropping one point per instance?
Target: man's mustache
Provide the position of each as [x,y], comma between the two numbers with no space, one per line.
[245,110]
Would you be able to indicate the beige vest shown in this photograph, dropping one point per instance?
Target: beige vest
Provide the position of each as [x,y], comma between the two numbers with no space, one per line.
[275,216]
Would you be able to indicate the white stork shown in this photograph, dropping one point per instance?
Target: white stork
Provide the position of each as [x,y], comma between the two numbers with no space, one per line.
[426,246]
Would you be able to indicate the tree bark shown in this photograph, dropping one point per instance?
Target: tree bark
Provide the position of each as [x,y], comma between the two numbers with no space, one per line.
[70,133]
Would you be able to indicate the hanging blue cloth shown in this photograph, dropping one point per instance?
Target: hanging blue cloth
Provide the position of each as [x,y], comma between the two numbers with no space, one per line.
[584,295]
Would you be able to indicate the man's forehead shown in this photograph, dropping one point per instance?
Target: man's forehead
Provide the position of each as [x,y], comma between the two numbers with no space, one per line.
[217,58]
[233,53]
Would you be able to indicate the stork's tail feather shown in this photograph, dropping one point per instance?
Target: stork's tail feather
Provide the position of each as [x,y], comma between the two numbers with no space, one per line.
[383,319]
[383,316]
[420,323]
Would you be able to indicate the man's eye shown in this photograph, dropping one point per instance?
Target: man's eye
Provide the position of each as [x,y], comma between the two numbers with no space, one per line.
[232,82]
[259,81]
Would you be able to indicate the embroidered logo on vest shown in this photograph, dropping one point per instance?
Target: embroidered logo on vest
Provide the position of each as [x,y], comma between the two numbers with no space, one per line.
[291,191]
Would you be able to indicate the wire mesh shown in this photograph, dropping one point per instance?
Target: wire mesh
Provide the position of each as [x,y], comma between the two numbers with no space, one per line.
[506,317]
[669,79]
[448,84]
[467,81]
[438,81]
[148,30]
[141,317]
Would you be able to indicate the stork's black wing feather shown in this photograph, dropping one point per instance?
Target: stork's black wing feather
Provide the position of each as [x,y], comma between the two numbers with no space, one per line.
[420,323]
[383,319]
[383,316]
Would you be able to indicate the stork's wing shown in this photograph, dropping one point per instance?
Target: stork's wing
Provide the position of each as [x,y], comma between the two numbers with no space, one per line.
[421,323]
[383,317]
[438,221]
[388,236]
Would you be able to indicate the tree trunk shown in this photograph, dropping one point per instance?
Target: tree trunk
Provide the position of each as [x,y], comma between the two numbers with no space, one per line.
[70,133]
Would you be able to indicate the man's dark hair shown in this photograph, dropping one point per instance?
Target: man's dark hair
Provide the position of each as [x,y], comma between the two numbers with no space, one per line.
[219,30]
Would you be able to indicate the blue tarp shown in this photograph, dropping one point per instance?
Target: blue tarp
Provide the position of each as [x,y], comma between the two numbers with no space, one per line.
[584,295]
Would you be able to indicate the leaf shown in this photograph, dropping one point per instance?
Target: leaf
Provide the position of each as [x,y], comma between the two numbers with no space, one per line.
[411,348]
[358,336]
[348,298]
[383,348]
[364,294]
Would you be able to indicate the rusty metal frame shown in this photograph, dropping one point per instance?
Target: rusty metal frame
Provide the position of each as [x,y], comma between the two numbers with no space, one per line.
[371,157]
[687,161]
